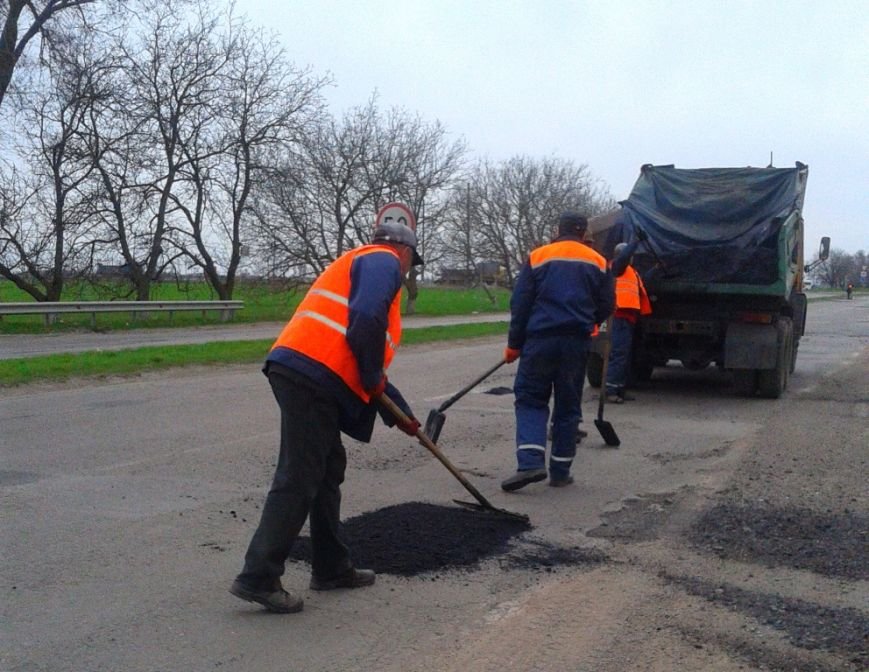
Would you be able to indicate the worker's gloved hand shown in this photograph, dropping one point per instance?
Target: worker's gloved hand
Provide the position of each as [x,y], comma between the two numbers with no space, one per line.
[640,234]
[394,395]
[411,427]
[379,388]
[511,354]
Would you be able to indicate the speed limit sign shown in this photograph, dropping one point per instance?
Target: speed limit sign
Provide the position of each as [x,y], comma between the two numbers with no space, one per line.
[395,212]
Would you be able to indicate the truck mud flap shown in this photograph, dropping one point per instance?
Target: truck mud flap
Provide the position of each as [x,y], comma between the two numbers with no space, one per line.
[799,303]
[750,346]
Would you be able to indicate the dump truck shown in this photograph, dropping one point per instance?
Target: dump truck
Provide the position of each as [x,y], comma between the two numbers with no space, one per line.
[723,263]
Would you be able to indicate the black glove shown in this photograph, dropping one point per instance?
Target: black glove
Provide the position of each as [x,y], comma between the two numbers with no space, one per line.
[640,234]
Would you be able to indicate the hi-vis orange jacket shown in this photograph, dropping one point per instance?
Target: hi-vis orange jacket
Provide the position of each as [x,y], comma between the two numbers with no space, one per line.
[318,329]
[631,293]
[564,288]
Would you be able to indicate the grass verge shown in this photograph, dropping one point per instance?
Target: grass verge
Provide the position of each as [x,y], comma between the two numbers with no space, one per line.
[125,362]
[261,304]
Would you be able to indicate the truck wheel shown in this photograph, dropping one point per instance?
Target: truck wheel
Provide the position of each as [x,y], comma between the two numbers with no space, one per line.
[773,382]
[642,371]
[594,369]
[745,381]
[794,348]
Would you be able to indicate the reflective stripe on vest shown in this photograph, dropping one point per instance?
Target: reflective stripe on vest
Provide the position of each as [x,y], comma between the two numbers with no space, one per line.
[318,328]
[628,290]
[569,251]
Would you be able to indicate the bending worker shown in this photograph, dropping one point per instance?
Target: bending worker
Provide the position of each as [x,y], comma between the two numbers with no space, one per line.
[326,370]
[563,290]
[631,302]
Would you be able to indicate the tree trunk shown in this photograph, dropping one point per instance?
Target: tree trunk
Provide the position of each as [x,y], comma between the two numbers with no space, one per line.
[412,292]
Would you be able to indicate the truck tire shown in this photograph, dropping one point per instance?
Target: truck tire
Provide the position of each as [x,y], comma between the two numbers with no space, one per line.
[594,369]
[771,383]
[642,371]
[745,382]
[794,348]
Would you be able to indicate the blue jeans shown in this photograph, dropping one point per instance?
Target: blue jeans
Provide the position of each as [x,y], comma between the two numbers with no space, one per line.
[620,355]
[549,366]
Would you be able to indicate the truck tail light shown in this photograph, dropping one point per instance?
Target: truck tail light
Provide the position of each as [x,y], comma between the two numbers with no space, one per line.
[755,318]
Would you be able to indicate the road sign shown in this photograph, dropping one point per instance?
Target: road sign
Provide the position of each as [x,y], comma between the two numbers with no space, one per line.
[395,212]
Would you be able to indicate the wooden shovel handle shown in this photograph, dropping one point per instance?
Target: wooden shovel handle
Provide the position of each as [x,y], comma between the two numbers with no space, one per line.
[391,406]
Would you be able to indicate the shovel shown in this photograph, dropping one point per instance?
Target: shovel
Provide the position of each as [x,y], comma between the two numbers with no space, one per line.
[484,504]
[436,418]
[605,428]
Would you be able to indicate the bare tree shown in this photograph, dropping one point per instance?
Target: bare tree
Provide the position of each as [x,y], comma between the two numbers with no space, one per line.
[58,175]
[172,67]
[267,108]
[26,21]
[16,246]
[325,199]
[840,268]
[509,208]
[431,165]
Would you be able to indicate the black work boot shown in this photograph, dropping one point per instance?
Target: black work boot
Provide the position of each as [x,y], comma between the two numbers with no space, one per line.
[274,599]
[352,578]
[522,478]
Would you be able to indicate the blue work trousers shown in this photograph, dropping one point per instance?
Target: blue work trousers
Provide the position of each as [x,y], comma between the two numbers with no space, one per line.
[550,366]
[622,338]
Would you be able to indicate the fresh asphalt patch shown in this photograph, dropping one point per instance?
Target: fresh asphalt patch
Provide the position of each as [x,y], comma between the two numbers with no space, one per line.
[416,538]
[834,545]
[807,625]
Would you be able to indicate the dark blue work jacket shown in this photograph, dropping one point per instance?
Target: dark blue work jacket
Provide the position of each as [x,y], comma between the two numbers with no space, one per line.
[564,288]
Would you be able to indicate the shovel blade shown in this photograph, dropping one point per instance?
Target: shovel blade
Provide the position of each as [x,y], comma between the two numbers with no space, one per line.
[607,432]
[434,424]
[491,509]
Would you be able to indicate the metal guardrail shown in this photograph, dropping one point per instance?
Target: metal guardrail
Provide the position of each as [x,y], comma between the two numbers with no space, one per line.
[52,309]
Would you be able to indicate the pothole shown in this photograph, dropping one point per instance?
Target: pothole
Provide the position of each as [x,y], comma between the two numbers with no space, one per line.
[640,518]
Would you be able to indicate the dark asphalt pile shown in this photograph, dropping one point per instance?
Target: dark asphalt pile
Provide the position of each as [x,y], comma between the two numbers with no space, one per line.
[413,538]
[808,625]
[829,544]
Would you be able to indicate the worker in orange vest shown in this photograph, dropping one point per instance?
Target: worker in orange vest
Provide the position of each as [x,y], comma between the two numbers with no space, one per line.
[631,302]
[564,289]
[327,369]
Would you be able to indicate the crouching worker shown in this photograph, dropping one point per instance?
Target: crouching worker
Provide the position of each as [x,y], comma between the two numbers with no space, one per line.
[327,369]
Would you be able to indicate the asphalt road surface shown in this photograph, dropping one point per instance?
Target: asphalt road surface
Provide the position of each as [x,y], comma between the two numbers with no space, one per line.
[724,534]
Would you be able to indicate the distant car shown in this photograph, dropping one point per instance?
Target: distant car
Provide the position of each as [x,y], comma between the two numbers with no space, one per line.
[807,285]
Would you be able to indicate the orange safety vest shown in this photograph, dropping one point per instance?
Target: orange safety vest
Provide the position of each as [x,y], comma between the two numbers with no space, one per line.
[318,328]
[566,250]
[631,293]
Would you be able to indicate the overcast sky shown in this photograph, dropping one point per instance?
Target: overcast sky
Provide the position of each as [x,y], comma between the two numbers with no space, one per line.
[615,84]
